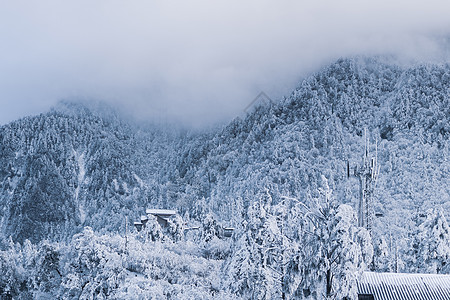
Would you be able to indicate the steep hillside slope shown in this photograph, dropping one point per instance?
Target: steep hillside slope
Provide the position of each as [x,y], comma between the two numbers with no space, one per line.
[62,170]
[77,166]
[285,147]
[73,175]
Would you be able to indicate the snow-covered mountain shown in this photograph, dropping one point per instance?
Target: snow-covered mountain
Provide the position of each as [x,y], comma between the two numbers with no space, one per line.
[78,166]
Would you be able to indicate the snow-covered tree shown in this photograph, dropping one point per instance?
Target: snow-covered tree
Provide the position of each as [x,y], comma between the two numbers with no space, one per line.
[175,229]
[10,277]
[335,250]
[48,275]
[94,266]
[210,228]
[382,260]
[253,270]
[433,243]
[153,231]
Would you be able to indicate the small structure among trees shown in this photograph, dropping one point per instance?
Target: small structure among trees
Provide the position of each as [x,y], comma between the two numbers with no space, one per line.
[227,231]
[166,219]
[162,215]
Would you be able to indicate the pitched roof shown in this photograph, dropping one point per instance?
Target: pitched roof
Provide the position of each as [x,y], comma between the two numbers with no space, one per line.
[160,212]
[404,286]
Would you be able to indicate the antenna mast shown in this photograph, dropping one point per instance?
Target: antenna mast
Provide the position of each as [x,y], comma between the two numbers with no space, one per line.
[367,175]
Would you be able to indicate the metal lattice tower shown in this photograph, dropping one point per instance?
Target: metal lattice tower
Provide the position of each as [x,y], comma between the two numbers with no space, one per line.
[367,174]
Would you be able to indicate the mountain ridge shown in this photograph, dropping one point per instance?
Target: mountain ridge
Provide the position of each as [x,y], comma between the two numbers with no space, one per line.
[284,146]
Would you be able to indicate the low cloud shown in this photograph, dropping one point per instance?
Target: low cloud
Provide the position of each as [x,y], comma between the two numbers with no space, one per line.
[197,62]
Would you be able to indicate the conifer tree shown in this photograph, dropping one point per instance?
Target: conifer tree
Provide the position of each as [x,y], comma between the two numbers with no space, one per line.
[253,271]
[381,259]
[335,251]
[433,243]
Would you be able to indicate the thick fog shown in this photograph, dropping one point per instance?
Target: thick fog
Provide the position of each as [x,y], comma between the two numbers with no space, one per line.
[197,62]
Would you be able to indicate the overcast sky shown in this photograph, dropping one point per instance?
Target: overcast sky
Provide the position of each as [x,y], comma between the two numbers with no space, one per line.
[195,61]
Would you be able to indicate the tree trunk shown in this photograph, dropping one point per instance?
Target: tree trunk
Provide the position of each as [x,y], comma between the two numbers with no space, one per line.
[329,282]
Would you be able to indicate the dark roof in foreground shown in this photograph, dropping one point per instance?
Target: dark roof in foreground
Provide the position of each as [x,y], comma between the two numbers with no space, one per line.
[403,286]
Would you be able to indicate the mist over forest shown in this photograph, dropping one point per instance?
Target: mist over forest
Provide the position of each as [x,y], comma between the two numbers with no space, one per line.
[226,150]
[197,62]
[283,177]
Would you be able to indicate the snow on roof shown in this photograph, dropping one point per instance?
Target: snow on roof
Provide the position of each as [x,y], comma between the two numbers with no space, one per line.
[228,228]
[403,286]
[192,228]
[165,212]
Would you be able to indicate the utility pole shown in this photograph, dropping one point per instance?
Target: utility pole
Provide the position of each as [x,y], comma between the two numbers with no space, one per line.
[126,234]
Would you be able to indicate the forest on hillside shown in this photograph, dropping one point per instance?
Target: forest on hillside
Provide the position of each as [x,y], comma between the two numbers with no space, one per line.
[73,181]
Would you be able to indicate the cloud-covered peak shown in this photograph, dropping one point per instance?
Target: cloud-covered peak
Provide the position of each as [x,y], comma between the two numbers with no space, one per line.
[198,62]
